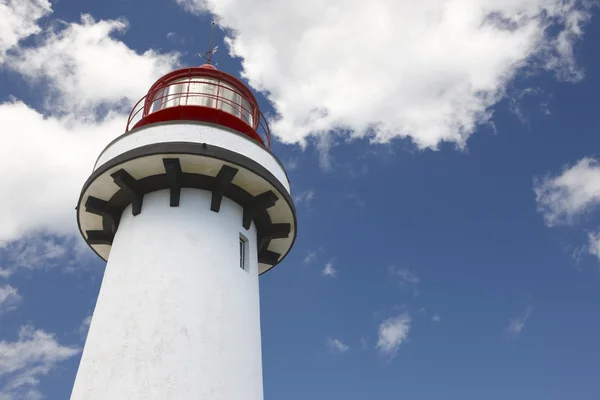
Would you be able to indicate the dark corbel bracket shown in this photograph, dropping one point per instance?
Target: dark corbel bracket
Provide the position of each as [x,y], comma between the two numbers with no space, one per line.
[100,237]
[104,209]
[268,257]
[261,202]
[174,177]
[221,182]
[273,231]
[130,188]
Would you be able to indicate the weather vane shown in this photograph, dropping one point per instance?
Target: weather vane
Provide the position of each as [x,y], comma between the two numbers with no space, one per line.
[211,50]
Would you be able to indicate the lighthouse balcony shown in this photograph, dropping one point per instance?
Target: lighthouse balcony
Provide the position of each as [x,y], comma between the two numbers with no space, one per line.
[201,98]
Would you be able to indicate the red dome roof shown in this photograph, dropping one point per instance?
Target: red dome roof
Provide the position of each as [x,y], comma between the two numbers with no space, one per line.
[209,66]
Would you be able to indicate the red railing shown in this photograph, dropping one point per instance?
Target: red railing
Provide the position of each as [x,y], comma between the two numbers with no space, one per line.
[224,98]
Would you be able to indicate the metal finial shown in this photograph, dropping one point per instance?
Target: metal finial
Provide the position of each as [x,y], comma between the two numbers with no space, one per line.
[208,55]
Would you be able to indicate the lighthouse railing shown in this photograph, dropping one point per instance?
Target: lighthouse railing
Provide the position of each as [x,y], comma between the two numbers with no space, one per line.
[212,94]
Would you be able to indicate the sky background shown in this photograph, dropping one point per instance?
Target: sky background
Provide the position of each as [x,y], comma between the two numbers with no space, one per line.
[444,161]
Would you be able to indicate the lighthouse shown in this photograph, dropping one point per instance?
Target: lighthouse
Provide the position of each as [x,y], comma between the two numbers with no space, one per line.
[188,207]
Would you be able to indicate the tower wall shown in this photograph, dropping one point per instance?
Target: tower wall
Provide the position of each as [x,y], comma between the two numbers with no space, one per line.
[176,318]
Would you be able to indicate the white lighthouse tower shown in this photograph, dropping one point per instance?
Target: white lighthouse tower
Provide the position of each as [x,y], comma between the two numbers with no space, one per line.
[188,208]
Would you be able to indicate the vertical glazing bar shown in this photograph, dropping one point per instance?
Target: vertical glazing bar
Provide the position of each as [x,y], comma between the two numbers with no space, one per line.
[256,116]
[217,95]
[162,96]
[187,93]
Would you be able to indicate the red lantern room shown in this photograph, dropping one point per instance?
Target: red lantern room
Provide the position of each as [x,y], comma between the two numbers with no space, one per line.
[202,94]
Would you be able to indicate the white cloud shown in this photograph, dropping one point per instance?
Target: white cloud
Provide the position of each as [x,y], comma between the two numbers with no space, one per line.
[5,273]
[310,257]
[85,326]
[32,253]
[392,333]
[305,197]
[517,324]
[436,318]
[594,244]
[357,199]
[574,191]
[24,361]
[44,251]
[47,157]
[9,298]
[520,104]
[337,345]
[404,276]
[291,164]
[329,270]
[19,20]
[87,68]
[26,394]
[54,158]
[430,70]
[324,145]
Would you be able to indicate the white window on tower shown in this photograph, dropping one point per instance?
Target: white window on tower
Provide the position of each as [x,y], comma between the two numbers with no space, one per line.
[243,252]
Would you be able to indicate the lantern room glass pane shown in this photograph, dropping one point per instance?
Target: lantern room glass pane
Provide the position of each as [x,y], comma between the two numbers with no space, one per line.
[202,92]
[157,103]
[206,92]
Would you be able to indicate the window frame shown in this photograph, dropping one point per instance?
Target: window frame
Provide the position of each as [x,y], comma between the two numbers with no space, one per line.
[243,242]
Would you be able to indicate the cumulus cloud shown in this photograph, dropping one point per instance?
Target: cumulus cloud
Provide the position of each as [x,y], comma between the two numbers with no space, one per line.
[34,354]
[574,191]
[89,75]
[291,164]
[85,326]
[54,155]
[329,270]
[305,197]
[87,68]
[42,251]
[311,256]
[520,104]
[429,70]
[336,345]
[594,244]
[436,318]
[404,276]
[392,333]
[34,252]
[517,324]
[19,20]
[9,298]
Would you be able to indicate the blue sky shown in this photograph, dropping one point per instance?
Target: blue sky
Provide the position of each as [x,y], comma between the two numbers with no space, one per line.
[447,200]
